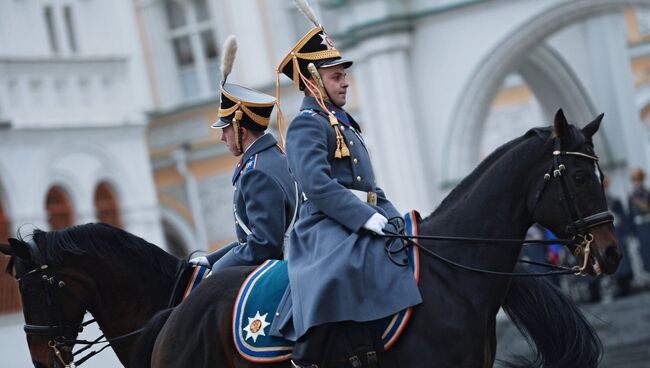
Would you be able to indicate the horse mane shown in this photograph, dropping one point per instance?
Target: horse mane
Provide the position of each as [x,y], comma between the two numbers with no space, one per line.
[98,240]
[543,135]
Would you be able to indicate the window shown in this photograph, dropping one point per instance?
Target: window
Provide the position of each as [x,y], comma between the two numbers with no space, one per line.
[193,42]
[69,26]
[51,29]
[9,295]
[106,206]
[209,46]
[59,209]
[643,18]
[186,66]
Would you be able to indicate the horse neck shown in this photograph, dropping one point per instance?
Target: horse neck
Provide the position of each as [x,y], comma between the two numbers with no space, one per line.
[129,290]
[491,201]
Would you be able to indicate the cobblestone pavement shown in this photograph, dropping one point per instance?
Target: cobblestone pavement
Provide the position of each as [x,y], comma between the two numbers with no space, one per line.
[622,324]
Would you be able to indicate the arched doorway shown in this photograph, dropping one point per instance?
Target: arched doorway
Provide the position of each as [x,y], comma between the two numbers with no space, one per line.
[106,206]
[60,213]
[9,295]
[520,52]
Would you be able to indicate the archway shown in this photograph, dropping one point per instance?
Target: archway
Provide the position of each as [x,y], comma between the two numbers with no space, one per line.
[60,212]
[179,236]
[513,54]
[106,206]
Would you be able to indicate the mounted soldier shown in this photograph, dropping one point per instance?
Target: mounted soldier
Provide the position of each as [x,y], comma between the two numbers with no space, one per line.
[338,265]
[265,203]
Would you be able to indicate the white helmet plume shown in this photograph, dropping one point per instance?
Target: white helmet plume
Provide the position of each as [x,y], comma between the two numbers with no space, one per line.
[228,57]
[304,7]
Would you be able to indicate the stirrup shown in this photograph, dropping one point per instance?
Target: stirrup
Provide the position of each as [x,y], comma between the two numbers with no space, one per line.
[296,365]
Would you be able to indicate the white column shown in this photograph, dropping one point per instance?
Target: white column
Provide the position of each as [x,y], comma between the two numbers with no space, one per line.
[191,185]
[612,88]
[389,122]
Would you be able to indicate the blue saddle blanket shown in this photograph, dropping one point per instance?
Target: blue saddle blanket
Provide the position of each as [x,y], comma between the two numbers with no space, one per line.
[260,296]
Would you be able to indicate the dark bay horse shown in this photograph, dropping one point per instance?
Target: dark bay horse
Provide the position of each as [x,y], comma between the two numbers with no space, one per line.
[119,278]
[549,176]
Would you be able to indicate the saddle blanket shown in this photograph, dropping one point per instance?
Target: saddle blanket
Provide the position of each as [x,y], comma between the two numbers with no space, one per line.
[188,278]
[199,273]
[261,293]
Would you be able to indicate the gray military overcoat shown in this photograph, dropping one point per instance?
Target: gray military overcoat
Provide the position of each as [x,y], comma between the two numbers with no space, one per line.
[337,270]
[264,205]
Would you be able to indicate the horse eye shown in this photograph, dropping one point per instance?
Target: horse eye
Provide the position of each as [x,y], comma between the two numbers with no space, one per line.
[579,179]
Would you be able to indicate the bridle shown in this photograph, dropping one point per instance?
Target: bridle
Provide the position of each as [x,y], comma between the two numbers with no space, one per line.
[62,337]
[578,229]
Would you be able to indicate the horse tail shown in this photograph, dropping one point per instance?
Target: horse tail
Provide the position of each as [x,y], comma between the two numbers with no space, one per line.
[553,325]
[141,357]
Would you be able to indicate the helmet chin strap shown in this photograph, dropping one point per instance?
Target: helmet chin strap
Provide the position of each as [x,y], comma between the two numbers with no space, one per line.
[316,77]
[237,129]
[317,89]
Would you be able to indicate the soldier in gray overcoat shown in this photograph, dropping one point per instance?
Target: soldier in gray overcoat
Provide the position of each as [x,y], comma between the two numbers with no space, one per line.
[266,196]
[339,269]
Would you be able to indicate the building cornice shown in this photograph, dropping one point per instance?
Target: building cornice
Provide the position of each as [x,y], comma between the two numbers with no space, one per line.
[389,23]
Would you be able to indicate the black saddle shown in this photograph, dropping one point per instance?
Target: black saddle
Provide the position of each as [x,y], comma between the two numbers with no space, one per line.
[348,344]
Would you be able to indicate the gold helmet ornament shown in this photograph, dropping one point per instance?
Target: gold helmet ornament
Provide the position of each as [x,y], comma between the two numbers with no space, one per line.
[241,106]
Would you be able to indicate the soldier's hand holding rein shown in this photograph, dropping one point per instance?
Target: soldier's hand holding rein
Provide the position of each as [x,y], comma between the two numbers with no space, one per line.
[201,261]
[376,223]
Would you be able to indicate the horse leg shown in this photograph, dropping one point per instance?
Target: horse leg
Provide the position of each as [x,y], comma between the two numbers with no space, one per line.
[198,333]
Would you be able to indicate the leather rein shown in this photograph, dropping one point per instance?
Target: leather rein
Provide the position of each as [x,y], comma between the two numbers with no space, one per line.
[579,228]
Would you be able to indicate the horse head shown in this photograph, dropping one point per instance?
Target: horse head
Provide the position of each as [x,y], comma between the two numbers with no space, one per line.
[569,197]
[52,307]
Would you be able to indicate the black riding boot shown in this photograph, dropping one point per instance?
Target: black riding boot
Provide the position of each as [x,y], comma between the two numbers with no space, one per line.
[308,350]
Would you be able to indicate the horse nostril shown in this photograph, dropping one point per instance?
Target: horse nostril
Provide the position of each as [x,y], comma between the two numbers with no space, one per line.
[612,254]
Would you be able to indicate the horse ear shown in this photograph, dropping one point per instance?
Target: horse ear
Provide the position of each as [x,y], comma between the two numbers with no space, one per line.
[592,127]
[20,248]
[561,126]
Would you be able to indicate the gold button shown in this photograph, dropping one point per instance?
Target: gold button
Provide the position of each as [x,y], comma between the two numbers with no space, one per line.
[351,143]
[358,178]
[355,160]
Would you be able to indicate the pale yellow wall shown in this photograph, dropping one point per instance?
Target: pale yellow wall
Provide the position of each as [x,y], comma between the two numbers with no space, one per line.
[634,34]
[518,95]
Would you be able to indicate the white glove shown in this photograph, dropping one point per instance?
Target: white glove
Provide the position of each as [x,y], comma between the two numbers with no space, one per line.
[201,261]
[376,223]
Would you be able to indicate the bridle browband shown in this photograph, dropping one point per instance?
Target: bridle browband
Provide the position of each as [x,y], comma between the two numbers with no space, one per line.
[580,238]
[61,335]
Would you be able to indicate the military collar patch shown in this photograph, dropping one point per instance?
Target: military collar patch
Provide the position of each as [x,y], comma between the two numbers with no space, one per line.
[250,164]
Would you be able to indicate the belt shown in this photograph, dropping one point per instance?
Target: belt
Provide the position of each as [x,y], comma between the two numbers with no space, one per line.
[367,197]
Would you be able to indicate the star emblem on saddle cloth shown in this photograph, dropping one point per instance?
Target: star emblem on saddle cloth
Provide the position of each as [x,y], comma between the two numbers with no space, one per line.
[256,326]
[326,41]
